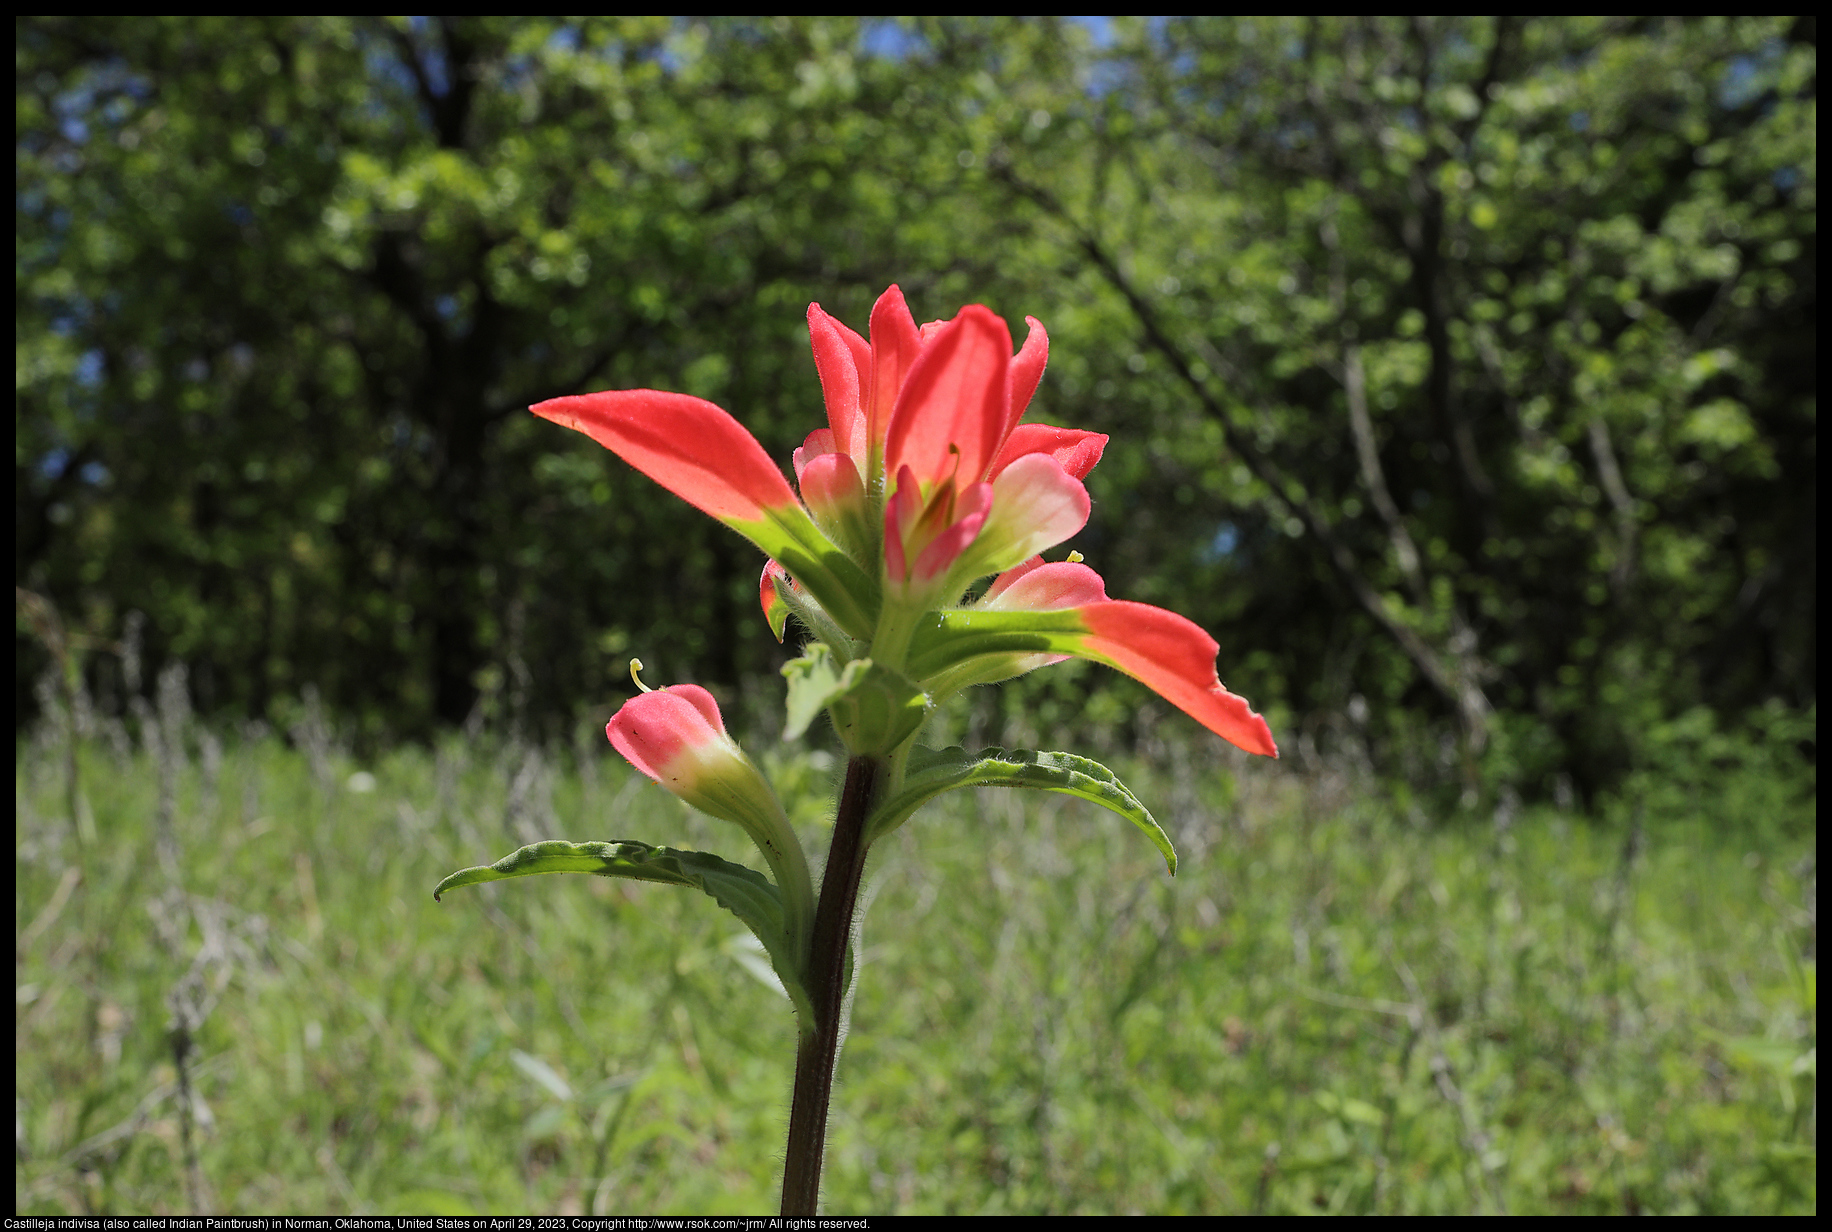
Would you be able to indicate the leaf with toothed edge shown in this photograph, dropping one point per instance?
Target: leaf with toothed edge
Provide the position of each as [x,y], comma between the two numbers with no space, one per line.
[744,892]
[934,771]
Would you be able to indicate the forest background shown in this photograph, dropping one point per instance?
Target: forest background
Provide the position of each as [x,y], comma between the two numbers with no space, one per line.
[1460,373]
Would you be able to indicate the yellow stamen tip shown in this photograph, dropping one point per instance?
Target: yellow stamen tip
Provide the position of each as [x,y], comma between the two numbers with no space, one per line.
[1075,558]
[636,666]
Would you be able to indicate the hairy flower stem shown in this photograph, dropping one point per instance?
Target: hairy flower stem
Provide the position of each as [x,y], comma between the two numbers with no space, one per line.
[801,1179]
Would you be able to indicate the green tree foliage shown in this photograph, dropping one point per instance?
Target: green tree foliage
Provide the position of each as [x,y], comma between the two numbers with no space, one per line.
[287,288]
[1484,356]
[1460,372]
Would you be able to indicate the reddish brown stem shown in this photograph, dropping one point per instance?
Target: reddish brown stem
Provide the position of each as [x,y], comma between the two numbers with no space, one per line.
[801,1179]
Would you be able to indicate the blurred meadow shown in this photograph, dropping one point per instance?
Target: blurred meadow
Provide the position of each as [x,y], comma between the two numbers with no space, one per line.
[236,994]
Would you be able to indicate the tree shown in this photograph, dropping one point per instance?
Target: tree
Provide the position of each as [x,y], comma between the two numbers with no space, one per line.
[287,286]
[1460,371]
[1488,355]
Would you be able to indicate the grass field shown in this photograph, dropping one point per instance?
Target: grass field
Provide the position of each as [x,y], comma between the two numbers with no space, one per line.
[235,994]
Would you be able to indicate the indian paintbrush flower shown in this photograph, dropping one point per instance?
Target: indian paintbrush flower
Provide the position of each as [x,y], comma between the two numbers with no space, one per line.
[922,484]
[923,441]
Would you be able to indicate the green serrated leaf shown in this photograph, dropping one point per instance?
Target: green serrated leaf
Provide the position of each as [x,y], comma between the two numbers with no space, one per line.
[744,892]
[934,771]
[874,708]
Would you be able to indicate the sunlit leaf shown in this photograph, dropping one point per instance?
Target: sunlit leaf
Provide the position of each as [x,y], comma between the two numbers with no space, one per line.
[933,772]
[746,893]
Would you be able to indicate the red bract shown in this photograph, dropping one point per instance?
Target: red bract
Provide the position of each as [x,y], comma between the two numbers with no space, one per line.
[708,459]
[954,393]
[922,482]
[770,591]
[1066,607]
[954,410]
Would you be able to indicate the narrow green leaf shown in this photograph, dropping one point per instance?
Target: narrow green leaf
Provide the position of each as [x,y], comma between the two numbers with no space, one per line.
[934,771]
[543,1074]
[744,892]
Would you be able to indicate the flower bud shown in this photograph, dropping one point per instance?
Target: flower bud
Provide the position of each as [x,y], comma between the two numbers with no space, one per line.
[677,737]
